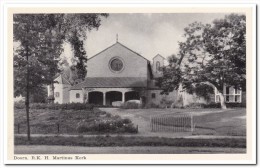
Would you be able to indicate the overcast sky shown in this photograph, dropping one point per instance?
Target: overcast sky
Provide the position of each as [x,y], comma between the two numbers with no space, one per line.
[147,34]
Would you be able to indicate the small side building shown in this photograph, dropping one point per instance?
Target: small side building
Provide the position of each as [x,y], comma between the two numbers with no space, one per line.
[61,88]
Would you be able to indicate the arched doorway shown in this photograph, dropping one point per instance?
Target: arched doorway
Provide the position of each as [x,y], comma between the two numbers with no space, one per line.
[113,96]
[95,97]
[132,95]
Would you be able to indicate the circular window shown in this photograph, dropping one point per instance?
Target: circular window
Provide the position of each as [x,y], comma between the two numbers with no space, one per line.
[116,65]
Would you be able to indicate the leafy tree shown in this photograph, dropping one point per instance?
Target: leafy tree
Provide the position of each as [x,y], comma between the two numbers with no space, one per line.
[40,38]
[36,58]
[76,27]
[212,56]
[171,76]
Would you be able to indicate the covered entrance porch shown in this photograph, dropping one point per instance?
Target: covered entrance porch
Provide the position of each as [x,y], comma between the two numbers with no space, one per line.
[106,96]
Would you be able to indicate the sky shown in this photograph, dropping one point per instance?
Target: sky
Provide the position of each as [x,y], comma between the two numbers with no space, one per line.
[147,34]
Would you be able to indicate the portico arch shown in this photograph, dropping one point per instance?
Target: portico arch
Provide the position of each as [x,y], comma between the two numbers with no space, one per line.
[112,96]
[95,97]
[132,95]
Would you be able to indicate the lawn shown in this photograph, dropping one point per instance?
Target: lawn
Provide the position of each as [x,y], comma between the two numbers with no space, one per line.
[230,122]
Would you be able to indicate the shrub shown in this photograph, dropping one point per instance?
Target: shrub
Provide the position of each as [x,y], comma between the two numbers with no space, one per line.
[234,105]
[55,106]
[109,125]
[212,105]
[152,105]
[166,103]
[130,105]
[195,105]
[19,105]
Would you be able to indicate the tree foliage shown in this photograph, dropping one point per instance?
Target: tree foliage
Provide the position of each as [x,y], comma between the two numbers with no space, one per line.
[44,35]
[36,38]
[77,26]
[39,39]
[211,56]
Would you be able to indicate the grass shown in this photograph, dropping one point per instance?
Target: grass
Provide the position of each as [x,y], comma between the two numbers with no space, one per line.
[130,141]
[231,122]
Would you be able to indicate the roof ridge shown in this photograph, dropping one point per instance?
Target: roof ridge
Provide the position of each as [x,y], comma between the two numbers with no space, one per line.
[133,51]
[124,47]
[65,79]
[159,55]
[101,51]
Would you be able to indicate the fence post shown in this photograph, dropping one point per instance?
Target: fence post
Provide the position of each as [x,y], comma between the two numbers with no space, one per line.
[58,127]
[151,124]
[18,128]
[136,128]
[191,123]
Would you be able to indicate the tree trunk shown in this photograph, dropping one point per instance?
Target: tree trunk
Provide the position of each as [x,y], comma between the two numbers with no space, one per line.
[221,96]
[222,101]
[52,92]
[27,105]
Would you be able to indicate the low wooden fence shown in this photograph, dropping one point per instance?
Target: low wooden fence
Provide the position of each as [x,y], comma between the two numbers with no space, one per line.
[43,129]
[172,123]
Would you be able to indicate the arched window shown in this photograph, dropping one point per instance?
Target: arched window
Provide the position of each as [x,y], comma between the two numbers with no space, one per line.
[157,66]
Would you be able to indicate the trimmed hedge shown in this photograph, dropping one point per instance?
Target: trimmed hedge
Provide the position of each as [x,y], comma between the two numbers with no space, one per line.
[55,106]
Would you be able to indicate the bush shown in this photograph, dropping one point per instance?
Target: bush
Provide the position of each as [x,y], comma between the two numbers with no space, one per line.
[212,105]
[131,105]
[55,106]
[109,125]
[234,105]
[166,103]
[19,105]
[152,105]
[195,105]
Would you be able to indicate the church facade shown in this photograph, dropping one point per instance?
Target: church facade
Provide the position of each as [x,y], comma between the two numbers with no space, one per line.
[117,75]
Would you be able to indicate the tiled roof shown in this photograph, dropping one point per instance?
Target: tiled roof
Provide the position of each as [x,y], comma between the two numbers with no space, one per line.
[113,82]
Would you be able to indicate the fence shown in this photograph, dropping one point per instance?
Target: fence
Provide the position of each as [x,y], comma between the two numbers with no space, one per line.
[43,128]
[172,123]
[58,128]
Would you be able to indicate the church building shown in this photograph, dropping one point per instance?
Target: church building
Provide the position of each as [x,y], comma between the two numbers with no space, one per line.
[117,75]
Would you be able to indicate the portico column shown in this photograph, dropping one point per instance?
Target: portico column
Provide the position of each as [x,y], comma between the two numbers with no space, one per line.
[86,97]
[123,97]
[104,98]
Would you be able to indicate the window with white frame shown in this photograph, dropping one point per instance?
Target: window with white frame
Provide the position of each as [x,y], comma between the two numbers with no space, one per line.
[231,95]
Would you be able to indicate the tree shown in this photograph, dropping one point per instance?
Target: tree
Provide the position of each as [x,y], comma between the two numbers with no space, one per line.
[171,78]
[77,26]
[36,58]
[40,38]
[213,56]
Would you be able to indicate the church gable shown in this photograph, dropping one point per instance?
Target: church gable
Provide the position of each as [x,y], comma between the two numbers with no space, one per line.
[117,61]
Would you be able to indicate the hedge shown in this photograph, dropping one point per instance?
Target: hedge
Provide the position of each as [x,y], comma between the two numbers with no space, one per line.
[55,106]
